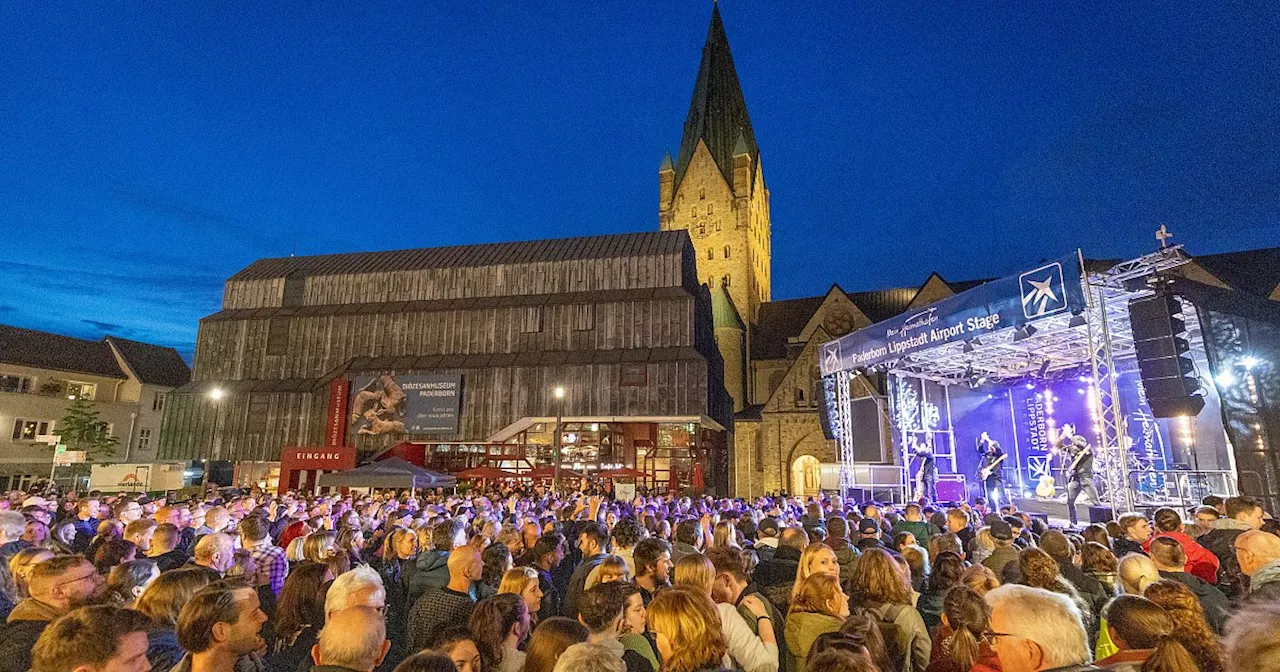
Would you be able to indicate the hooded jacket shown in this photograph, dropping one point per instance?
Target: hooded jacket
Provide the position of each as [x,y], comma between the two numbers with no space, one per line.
[432,572]
[1221,541]
[802,630]
[1268,573]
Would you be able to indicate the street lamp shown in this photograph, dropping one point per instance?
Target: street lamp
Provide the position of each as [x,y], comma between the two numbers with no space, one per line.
[215,395]
[559,395]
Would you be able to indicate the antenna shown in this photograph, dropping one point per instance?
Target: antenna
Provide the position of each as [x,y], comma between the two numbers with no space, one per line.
[1163,235]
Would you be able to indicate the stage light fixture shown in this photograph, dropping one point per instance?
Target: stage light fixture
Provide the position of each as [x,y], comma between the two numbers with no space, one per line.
[1249,362]
[1023,332]
[968,346]
[1077,320]
[1226,378]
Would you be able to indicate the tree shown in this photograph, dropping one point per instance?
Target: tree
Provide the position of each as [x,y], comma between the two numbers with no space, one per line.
[81,429]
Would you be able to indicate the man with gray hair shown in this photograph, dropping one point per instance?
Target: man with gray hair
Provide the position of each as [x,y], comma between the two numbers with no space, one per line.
[1034,629]
[353,639]
[360,587]
[587,657]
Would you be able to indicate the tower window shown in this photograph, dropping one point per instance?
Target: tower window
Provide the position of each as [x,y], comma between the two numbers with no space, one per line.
[710,209]
[702,194]
[711,254]
[693,211]
[726,251]
[799,395]
[724,281]
[702,229]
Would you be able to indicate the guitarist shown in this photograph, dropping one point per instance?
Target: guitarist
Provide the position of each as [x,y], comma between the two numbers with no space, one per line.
[991,471]
[1078,455]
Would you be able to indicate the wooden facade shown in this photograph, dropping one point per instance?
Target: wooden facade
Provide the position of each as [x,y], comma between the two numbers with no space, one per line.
[619,321]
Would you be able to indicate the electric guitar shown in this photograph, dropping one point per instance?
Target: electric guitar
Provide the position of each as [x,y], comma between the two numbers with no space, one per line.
[986,471]
[1085,450]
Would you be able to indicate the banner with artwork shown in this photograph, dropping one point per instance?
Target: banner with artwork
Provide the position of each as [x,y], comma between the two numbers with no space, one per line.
[386,403]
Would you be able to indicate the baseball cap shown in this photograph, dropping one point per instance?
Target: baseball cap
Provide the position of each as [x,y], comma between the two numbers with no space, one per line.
[35,500]
[768,526]
[868,526]
[1001,530]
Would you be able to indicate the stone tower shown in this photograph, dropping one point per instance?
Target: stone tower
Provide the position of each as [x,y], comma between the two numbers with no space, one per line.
[715,190]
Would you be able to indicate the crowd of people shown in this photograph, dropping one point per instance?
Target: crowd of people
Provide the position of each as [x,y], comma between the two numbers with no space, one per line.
[529,581]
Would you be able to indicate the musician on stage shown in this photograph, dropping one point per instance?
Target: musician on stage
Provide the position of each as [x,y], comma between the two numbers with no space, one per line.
[1077,456]
[927,474]
[991,472]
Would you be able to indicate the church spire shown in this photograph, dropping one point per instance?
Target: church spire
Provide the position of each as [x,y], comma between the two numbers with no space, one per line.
[718,113]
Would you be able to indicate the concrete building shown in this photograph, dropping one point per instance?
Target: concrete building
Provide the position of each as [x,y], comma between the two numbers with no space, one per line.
[127,382]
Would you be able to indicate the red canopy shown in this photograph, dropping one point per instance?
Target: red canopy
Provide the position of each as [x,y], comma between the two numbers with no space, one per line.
[550,472]
[485,472]
[626,472]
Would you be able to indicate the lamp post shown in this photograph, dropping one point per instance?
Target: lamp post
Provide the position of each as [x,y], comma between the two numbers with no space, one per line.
[559,394]
[215,395]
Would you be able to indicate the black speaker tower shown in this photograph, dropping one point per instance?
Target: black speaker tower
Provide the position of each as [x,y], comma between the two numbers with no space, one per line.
[1164,359]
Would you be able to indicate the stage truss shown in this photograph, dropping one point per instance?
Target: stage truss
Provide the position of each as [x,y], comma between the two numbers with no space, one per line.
[1060,346]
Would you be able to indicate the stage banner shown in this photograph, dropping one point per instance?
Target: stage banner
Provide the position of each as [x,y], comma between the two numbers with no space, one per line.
[386,403]
[1047,290]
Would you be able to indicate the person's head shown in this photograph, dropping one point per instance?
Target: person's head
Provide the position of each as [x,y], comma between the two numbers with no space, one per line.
[947,569]
[360,587]
[1166,519]
[1001,532]
[354,638]
[21,564]
[957,520]
[88,508]
[793,537]
[917,560]
[497,560]
[549,550]
[1035,629]
[496,622]
[93,639]
[1189,626]
[113,552]
[215,551]
[1168,555]
[301,601]
[687,630]
[429,661]
[877,578]
[549,641]
[1246,510]
[731,573]
[460,647]
[1206,516]
[980,579]
[612,568]
[869,528]
[818,559]
[140,532]
[695,572]
[1134,622]
[165,538]
[724,534]
[1038,569]
[64,532]
[1056,545]
[633,610]
[66,582]
[820,594]
[448,535]
[861,629]
[592,538]
[162,601]
[1136,572]
[1098,533]
[319,545]
[523,581]
[1255,549]
[217,519]
[966,613]
[1096,558]
[1135,527]
[689,532]
[465,564]
[652,559]
[627,533]
[223,616]
[768,527]
[127,511]
[129,580]
[601,610]
[253,531]
[947,541]
[1253,638]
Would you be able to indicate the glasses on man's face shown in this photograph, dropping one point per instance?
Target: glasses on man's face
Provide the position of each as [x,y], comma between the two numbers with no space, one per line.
[992,635]
[94,576]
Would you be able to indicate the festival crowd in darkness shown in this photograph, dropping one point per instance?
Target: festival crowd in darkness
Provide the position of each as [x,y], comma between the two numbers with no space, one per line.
[527,581]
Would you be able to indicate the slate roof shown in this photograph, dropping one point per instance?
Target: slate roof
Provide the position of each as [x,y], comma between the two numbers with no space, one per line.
[153,364]
[646,243]
[718,111]
[43,350]
[1254,272]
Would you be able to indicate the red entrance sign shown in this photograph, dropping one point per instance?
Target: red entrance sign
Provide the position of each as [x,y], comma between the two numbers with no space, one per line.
[314,459]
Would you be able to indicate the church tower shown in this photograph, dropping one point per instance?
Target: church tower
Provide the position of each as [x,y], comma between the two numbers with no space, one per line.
[715,190]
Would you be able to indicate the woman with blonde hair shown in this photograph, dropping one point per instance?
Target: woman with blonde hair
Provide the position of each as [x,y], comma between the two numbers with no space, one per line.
[983,545]
[881,590]
[980,579]
[1136,571]
[319,546]
[725,534]
[818,606]
[20,566]
[688,632]
[1189,625]
[751,652]
[613,568]
[815,559]
[523,581]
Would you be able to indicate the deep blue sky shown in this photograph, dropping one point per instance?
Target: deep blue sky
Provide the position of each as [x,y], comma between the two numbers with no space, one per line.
[148,151]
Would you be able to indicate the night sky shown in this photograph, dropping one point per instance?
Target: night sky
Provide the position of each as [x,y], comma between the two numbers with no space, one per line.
[148,151]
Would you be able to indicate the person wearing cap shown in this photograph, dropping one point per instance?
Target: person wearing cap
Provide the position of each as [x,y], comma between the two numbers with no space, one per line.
[767,540]
[869,532]
[1005,551]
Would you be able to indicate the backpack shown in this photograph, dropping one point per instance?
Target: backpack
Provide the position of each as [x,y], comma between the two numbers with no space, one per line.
[891,632]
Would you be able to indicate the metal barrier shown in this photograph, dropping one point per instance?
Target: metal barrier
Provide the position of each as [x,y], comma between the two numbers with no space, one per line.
[1182,488]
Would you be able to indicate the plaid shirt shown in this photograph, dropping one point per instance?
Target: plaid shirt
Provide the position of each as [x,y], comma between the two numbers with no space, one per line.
[272,564]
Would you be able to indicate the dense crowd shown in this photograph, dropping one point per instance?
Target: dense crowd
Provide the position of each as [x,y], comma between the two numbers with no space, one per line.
[528,581]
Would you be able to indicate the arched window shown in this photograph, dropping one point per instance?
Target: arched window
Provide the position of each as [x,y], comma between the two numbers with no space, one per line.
[799,395]
[726,251]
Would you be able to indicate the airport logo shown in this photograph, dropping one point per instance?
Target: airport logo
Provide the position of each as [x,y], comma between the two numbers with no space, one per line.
[831,357]
[1043,291]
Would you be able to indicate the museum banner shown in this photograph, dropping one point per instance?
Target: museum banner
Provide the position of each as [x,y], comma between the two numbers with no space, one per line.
[1050,289]
[386,403]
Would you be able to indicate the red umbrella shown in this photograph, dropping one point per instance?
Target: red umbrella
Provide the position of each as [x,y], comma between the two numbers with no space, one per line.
[550,472]
[486,473]
[625,472]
